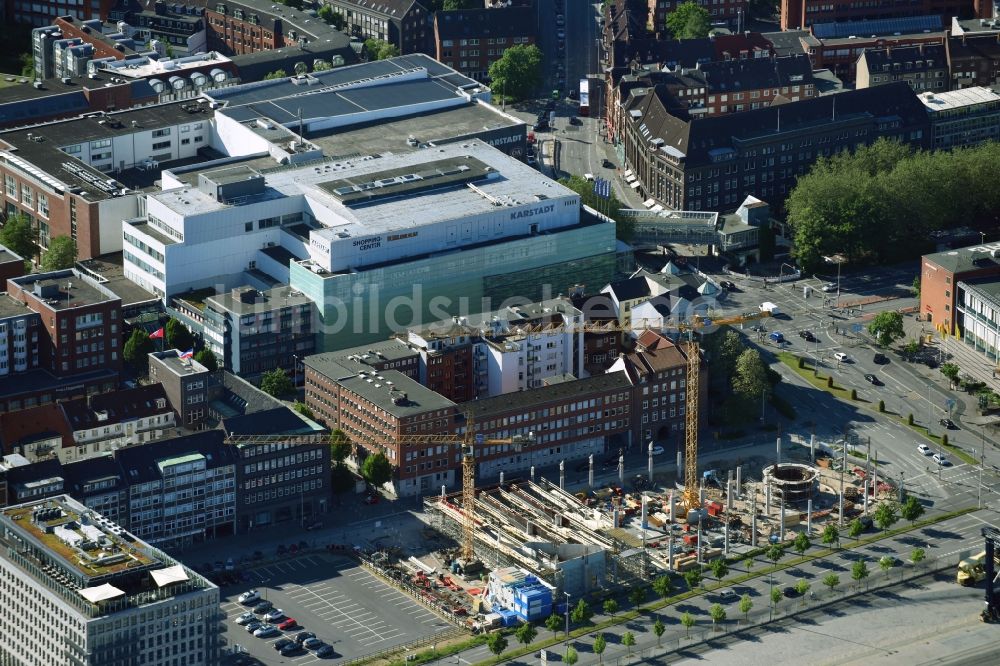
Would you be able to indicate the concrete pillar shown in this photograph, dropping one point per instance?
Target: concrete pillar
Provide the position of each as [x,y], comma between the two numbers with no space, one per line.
[621,472]
[778,447]
[680,466]
[698,549]
[875,476]
[809,516]
[670,500]
[670,551]
[443,493]
[781,521]
[767,499]
[650,463]
[590,472]
[739,481]
[701,496]
[644,521]
[501,478]
[725,536]
[812,448]
[729,495]
[562,474]
[532,473]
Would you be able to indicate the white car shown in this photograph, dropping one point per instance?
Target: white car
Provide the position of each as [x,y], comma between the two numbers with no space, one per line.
[274,615]
[924,449]
[829,286]
[940,459]
[266,631]
[658,450]
[249,597]
[246,618]
[841,356]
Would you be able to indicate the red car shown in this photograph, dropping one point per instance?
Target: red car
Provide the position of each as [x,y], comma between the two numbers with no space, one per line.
[288,623]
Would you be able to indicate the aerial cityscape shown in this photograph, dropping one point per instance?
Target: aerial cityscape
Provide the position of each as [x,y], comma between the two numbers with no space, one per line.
[395,332]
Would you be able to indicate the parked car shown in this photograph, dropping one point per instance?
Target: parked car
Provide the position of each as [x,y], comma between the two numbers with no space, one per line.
[575,121]
[290,650]
[262,607]
[728,285]
[728,595]
[790,592]
[325,651]
[282,643]
[777,336]
[274,615]
[253,626]
[312,643]
[941,459]
[658,450]
[266,631]
[245,618]
[249,597]
[949,424]
[303,636]
[873,380]
[880,359]
[842,357]
[288,623]
[807,336]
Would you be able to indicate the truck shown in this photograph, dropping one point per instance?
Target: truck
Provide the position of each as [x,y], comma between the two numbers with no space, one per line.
[971,570]
[769,307]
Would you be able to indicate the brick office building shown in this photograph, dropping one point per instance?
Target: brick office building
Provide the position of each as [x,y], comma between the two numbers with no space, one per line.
[940,274]
[796,14]
[407,24]
[470,40]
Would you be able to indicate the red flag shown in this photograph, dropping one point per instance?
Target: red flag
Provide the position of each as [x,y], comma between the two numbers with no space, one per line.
[158,333]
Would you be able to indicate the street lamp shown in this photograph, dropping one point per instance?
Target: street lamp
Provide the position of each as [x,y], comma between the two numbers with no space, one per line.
[567,616]
[836,259]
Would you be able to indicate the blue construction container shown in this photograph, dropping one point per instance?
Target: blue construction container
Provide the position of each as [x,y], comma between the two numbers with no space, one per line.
[507,618]
[533,603]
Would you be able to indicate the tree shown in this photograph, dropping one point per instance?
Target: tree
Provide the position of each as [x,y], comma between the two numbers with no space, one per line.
[658,629]
[831,581]
[693,578]
[802,587]
[178,336]
[775,553]
[855,529]
[276,74]
[750,377]
[881,406]
[718,614]
[60,255]
[526,633]
[612,207]
[571,656]
[276,383]
[581,613]
[377,49]
[341,479]
[452,5]
[688,621]
[301,68]
[917,556]
[137,349]
[335,19]
[831,534]
[859,572]
[775,597]
[886,562]
[801,543]
[518,72]
[886,515]
[496,643]
[637,595]
[911,510]
[916,286]
[27,65]
[18,236]
[887,327]
[719,568]
[628,640]
[340,446]
[600,645]
[746,603]
[207,358]
[610,607]
[951,371]
[554,623]
[303,409]
[911,349]
[689,21]
[321,65]
[663,586]
[376,469]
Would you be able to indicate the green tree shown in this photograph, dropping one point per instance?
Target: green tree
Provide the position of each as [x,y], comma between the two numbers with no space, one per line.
[637,595]
[303,409]
[775,553]
[689,21]
[658,629]
[802,587]
[693,578]
[628,640]
[554,623]
[855,528]
[600,645]
[571,656]
[719,568]
[301,68]
[831,581]
[496,643]
[27,65]
[950,370]
[775,597]
[60,255]
[886,562]
[718,614]
[341,479]
[340,446]
[387,50]
[276,383]
[859,572]
[526,633]
[335,19]
[321,65]
[916,286]
[376,469]
[178,336]
[831,534]
[917,555]
[276,74]
[801,543]
[18,237]
[517,73]
[610,607]
[750,379]
[911,510]
[663,586]
[624,226]
[452,5]
[887,327]
[137,349]
[581,613]
[746,604]
[911,349]
[207,358]
[886,515]
[688,621]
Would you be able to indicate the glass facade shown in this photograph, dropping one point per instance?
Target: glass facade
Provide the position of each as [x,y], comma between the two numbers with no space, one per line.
[371,305]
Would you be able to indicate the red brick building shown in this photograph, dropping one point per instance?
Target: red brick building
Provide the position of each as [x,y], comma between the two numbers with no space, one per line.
[940,274]
[796,14]
[729,11]
[470,40]
[236,29]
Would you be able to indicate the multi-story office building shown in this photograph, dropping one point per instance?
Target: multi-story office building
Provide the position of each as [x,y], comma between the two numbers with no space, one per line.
[974,60]
[924,67]
[470,40]
[940,274]
[406,24]
[715,163]
[978,316]
[797,14]
[75,588]
[965,117]
[185,382]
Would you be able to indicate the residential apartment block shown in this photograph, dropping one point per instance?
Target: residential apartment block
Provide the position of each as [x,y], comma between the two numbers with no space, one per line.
[965,117]
[923,67]
[732,12]
[797,14]
[974,60]
[75,588]
[407,24]
[470,40]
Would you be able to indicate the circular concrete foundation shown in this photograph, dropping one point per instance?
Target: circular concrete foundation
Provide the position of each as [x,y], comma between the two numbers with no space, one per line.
[794,482]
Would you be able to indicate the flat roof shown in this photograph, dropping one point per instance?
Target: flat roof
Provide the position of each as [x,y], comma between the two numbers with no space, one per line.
[7,256]
[171,359]
[972,258]
[557,392]
[109,269]
[380,388]
[986,287]
[64,290]
[11,307]
[266,301]
[145,67]
[956,99]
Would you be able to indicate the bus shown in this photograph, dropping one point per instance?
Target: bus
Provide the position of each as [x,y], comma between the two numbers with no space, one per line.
[584,97]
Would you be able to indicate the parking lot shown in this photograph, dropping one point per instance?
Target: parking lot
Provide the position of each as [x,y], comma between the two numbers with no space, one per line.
[334,598]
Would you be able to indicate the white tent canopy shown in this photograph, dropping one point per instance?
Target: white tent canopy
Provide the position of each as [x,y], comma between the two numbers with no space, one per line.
[634,185]
[174,574]
[101,593]
[648,203]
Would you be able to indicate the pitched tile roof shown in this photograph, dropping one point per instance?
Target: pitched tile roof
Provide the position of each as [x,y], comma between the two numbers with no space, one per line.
[29,425]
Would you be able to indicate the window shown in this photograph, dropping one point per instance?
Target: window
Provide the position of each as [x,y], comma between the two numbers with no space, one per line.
[11,186]
[161,132]
[26,196]
[161,145]
[43,205]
